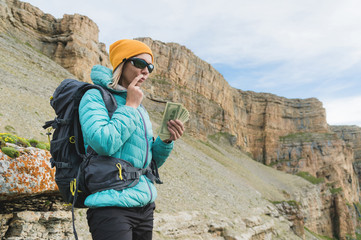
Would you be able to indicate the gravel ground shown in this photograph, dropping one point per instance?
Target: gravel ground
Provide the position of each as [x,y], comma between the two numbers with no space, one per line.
[212,183]
[27,80]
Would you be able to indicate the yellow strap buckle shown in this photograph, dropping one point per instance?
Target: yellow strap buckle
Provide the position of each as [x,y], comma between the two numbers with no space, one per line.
[119,166]
[73,187]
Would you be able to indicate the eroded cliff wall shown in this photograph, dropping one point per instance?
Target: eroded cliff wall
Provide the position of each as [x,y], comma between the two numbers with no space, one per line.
[71,41]
[291,135]
[352,136]
[257,120]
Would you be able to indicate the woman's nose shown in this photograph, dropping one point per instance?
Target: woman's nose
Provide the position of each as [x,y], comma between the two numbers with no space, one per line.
[145,71]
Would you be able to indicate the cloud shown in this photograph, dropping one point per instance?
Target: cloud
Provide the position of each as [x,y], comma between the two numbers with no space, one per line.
[291,48]
[237,30]
[343,111]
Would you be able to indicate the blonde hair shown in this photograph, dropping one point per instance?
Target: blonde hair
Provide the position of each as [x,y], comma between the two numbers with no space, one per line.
[116,76]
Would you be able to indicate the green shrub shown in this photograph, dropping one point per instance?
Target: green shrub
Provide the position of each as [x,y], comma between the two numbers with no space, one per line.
[317,235]
[11,152]
[10,128]
[41,146]
[38,144]
[8,138]
[335,190]
[310,178]
[358,236]
[11,138]
[23,142]
[33,142]
[290,202]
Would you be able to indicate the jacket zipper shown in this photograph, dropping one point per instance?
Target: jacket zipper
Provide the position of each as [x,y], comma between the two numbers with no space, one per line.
[146,155]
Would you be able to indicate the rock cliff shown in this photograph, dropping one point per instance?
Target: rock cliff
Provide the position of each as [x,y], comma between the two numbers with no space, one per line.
[352,137]
[291,135]
[71,41]
[256,120]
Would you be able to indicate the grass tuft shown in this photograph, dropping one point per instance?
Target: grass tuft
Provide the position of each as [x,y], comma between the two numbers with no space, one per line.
[310,178]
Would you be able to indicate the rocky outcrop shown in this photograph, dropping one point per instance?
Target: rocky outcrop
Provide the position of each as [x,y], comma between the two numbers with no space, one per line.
[36,225]
[323,156]
[30,203]
[27,175]
[71,41]
[352,136]
[327,212]
[40,217]
[291,211]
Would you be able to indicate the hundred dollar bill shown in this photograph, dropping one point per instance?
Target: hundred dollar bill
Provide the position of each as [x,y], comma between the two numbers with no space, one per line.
[172,111]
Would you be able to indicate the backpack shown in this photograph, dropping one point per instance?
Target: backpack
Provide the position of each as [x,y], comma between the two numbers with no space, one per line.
[78,172]
[67,145]
[68,153]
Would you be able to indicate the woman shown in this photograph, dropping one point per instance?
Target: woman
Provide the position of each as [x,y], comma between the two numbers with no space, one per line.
[125,214]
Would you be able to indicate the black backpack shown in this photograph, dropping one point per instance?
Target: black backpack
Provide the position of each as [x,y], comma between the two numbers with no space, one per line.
[67,145]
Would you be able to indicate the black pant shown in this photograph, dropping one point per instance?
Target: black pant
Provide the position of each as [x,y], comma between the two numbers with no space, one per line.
[116,223]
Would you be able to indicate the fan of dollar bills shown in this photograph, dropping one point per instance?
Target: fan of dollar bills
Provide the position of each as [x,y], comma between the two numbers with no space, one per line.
[172,111]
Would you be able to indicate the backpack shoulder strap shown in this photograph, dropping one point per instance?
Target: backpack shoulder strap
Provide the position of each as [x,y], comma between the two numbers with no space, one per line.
[108,98]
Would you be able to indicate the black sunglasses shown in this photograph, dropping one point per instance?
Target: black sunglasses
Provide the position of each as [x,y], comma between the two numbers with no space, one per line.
[141,64]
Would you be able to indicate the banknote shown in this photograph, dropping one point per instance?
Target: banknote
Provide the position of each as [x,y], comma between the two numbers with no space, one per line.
[172,111]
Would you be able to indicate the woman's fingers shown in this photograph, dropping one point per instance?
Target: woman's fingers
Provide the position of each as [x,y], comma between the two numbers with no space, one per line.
[177,124]
[135,94]
[135,81]
[176,129]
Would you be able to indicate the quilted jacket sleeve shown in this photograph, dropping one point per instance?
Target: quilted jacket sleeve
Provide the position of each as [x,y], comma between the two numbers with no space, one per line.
[161,151]
[105,135]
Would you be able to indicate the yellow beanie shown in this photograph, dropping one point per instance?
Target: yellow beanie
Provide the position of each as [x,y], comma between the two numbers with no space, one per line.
[126,48]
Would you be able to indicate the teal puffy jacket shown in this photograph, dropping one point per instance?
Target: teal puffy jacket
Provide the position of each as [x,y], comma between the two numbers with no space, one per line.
[127,135]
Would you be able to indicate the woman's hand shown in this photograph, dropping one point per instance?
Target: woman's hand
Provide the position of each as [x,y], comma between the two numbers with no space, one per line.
[176,129]
[134,93]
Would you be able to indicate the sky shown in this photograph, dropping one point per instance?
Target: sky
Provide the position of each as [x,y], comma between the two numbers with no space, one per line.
[291,48]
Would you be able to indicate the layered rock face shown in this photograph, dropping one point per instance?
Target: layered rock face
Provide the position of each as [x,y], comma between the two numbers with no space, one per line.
[289,134]
[331,161]
[71,41]
[256,120]
[352,137]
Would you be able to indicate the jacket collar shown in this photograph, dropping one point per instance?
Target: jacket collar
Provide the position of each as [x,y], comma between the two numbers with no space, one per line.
[103,77]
